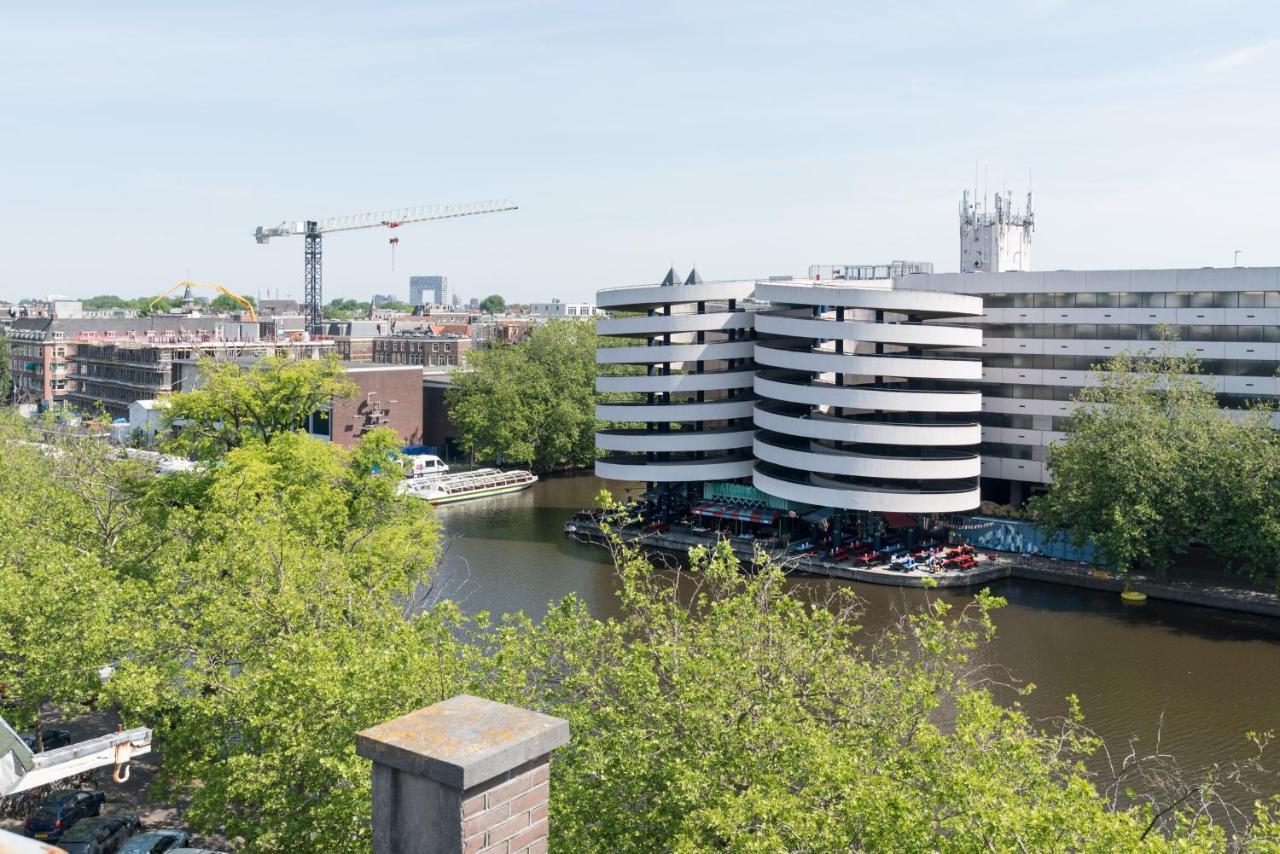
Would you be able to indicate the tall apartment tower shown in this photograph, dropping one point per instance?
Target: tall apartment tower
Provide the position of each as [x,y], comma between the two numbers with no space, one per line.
[996,241]
[429,290]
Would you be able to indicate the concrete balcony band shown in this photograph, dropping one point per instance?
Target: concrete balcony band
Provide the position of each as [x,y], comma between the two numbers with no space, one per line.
[829,493]
[820,459]
[659,383]
[672,353]
[914,334]
[822,361]
[834,429]
[657,413]
[919,303]
[816,393]
[661,324]
[645,297]
[679,441]
[675,471]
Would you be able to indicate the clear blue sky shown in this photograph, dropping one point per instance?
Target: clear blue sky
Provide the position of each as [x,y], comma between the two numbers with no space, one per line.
[143,142]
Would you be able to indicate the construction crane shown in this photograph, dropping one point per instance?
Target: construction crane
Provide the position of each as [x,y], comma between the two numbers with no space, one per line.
[313,230]
[226,292]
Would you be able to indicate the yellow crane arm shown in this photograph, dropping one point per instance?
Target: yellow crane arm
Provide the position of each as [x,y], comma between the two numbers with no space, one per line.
[227,292]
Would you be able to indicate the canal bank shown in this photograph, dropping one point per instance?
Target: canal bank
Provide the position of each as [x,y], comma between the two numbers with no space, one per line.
[991,567]
[1198,678]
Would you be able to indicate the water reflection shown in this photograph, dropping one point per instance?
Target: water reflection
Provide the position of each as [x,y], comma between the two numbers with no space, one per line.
[1210,674]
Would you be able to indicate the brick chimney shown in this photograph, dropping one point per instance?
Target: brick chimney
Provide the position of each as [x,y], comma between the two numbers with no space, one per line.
[464,775]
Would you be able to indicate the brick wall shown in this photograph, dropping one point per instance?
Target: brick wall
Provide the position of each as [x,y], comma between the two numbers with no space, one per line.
[508,815]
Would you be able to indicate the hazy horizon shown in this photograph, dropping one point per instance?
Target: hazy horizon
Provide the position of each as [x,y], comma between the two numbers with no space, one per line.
[144,143]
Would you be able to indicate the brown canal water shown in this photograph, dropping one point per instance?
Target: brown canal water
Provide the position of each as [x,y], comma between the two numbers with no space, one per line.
[1210,675]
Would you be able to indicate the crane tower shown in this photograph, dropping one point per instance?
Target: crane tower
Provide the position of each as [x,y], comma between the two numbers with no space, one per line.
[313,230]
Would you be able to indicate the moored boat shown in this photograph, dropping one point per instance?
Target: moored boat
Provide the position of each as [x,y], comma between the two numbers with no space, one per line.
[464,486]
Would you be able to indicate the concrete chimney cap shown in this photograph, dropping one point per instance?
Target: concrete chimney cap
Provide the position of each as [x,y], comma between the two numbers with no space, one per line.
[463,741]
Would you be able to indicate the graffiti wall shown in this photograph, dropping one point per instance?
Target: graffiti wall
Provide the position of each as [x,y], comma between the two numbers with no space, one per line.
[1012,535]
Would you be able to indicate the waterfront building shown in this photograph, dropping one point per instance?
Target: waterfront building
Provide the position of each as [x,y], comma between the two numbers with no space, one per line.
[805,393]
[844,414]
[1042,331]
[685,376]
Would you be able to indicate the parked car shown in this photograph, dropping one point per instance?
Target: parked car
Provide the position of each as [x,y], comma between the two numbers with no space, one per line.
[57,811]
[102,835]
[156,842]
[52,738]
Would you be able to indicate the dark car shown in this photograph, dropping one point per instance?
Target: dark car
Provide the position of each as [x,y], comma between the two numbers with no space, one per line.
[156,842]
[102,835]
[52,738]
[57,811]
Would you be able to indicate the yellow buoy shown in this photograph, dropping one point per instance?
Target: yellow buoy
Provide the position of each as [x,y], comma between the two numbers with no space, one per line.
[1133,596]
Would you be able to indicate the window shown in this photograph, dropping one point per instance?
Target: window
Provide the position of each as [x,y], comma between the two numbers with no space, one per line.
[1226,299]
[1201,333]
[1202,299]
[1108,300]
[1249,333]
[1180,299]
[1085,300]
[1064,300]
[998,301]
[1044,300]
[1153,300]
[1128,300]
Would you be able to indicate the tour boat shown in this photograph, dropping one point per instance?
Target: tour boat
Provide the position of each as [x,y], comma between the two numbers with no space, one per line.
[463,486]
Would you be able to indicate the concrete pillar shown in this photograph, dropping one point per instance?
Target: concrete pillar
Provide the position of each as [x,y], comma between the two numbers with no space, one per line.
[464,775]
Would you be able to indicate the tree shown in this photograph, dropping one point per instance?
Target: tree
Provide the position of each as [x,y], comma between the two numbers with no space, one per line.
[1151,464]
[222,302]
[531,403]
[345,309]
[235,404]
[493,304]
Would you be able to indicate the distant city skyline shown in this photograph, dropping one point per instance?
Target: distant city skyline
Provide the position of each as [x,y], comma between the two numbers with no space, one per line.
[144,142]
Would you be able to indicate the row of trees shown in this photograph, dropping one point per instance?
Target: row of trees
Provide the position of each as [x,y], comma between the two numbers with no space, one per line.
[143,304]
[1151,465]
[260,610]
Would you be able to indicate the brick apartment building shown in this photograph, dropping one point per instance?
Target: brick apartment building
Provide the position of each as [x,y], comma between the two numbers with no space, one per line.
[421,350]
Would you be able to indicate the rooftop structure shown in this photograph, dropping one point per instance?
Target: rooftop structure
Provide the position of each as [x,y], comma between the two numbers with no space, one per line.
[994,241]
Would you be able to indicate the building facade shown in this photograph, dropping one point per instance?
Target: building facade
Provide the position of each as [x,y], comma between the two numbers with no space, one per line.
[844,416]
[422,350]
[694,399]
[1042,331]
[428,290]
[387,396]
[808,393]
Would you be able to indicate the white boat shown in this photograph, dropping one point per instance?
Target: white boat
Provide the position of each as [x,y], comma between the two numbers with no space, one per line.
[463,486]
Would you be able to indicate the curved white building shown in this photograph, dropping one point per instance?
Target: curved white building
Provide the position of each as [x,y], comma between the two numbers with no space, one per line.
[844,415]
[680,388]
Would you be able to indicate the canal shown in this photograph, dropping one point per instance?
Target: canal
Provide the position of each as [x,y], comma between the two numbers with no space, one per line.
[1209,675]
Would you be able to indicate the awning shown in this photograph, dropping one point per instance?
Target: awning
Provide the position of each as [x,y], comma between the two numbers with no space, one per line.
[816,516]
[758,515]
[899,520]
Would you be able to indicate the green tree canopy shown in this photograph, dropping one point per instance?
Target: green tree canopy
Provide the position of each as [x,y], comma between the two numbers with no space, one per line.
[493,304]
[531,403]
[1151,464]
[222,302]
[237,403]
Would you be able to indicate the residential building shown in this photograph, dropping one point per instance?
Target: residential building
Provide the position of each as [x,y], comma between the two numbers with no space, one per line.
[269,307]
[428,290]
[425,350]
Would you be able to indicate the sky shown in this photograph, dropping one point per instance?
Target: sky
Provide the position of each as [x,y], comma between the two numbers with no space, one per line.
[141,143]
